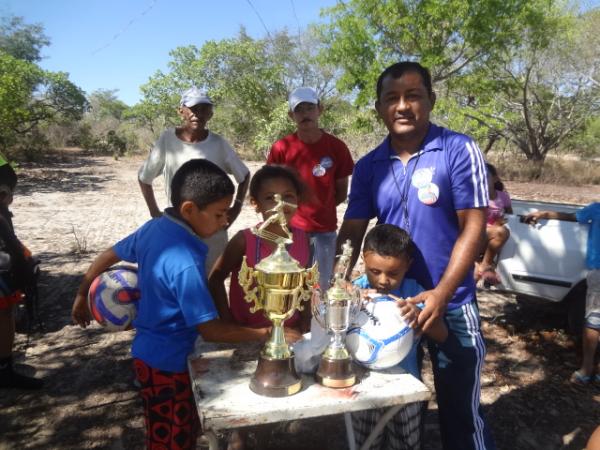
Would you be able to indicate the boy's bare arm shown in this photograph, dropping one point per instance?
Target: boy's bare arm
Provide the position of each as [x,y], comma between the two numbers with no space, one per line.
[219,331]
[227,262]
[534,217]
[80,312]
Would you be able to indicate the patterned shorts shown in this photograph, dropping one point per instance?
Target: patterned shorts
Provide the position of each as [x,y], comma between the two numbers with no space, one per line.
[169,409]
[402,432]
[592,300]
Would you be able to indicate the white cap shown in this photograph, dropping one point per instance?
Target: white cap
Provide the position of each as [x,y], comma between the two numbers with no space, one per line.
[194,96]
[303,95]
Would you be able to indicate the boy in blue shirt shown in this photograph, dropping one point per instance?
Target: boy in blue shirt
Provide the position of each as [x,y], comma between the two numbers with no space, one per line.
[591,333]
[176,304]
[387,253]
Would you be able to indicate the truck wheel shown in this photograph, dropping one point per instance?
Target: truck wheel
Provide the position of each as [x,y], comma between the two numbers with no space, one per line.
[575,302]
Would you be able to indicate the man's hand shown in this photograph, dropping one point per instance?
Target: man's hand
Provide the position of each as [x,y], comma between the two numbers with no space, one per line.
[233,212]
[435,308]
[80,312]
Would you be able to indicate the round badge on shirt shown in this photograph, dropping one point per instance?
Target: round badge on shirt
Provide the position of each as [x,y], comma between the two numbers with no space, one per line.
[429,194]
[318,170]
[422,177]
[326,162]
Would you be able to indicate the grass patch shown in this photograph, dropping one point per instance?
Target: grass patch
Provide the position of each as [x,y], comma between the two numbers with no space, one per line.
[568,169]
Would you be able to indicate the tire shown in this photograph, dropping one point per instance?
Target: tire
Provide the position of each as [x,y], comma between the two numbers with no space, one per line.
[575,303]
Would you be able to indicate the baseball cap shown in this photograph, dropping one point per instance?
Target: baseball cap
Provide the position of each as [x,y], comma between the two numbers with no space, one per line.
[303,95]
[194,96]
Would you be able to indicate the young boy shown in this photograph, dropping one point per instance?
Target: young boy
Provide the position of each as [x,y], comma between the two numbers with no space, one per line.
[15,275]
[324,164]
[176,304]
[193,140]
[387,253]
[591,333]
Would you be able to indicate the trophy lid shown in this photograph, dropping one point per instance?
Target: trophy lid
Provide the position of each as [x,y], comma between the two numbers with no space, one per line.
[279,261]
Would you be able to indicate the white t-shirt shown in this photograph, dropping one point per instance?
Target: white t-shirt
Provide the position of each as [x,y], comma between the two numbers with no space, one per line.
[170,153]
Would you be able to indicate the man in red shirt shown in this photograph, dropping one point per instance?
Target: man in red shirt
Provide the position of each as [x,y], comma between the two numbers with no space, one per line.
[324,164]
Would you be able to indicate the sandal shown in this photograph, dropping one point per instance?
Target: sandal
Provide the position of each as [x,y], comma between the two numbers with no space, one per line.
[578,378]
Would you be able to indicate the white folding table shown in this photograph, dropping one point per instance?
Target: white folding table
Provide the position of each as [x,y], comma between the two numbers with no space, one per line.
[221,374]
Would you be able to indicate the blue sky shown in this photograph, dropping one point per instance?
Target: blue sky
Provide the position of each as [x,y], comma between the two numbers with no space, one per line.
[119,44]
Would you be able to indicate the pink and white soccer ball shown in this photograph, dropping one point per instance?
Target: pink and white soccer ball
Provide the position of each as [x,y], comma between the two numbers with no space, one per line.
[381,337]
[113,298]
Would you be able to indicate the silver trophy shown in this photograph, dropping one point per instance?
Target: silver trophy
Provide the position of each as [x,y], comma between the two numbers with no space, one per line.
[335,310]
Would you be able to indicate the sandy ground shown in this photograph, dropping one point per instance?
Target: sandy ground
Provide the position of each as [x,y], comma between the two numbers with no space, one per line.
[75,205]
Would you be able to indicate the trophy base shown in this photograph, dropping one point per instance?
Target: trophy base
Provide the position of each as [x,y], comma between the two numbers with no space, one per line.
[275,378]
[335,373]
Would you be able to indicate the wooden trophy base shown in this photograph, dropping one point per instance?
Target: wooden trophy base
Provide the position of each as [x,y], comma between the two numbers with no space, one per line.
[275,378]
[335,373]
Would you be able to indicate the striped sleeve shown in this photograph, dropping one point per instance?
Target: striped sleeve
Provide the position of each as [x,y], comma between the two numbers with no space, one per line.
[468,174]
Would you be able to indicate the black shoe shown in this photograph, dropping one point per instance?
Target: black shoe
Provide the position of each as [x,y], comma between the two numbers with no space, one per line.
[11,379]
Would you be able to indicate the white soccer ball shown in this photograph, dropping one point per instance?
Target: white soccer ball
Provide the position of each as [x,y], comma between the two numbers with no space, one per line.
[113,298]
[381,338]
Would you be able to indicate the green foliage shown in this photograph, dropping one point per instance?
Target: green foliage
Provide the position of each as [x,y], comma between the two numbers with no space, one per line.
[105,104]
[29,96]
[450,37]
[249,81]
[541,92]
[20,40]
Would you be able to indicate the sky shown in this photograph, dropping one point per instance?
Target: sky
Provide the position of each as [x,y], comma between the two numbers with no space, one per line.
[119,44]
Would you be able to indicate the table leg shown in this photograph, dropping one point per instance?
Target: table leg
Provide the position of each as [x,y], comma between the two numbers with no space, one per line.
[350,431]
[213,441]
[380,426]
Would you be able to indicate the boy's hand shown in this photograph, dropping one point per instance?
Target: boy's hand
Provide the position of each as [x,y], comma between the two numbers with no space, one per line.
[534,217]
[435,308]
[80,312]
[370,294]
[409,311]
[291,335]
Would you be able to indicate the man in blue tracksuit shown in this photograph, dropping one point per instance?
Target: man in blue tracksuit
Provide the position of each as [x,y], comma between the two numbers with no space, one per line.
[432,182]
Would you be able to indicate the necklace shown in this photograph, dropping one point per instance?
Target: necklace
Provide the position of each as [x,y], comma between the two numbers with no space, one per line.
[405,190]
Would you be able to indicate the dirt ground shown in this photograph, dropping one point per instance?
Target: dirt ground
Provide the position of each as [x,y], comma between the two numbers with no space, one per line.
[74,205]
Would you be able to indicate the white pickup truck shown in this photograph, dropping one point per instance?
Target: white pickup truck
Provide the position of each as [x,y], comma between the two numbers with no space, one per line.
[546,260]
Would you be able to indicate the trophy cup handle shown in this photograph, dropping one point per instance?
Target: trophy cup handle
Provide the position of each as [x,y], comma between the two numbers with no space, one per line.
[317,305]
[246,277]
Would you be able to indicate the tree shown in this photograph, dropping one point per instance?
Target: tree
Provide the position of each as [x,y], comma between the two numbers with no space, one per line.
[451,37]
[30,96]
[539,93]
[249,80]
[21,40]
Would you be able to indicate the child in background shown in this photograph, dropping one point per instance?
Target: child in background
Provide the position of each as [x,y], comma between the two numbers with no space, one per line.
[266,182]
[16,273]
[176,305]
[497,234]
[591,332]
[387,254]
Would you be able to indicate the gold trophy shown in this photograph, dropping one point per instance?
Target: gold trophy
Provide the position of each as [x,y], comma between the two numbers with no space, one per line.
[277,285]
[335,310]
